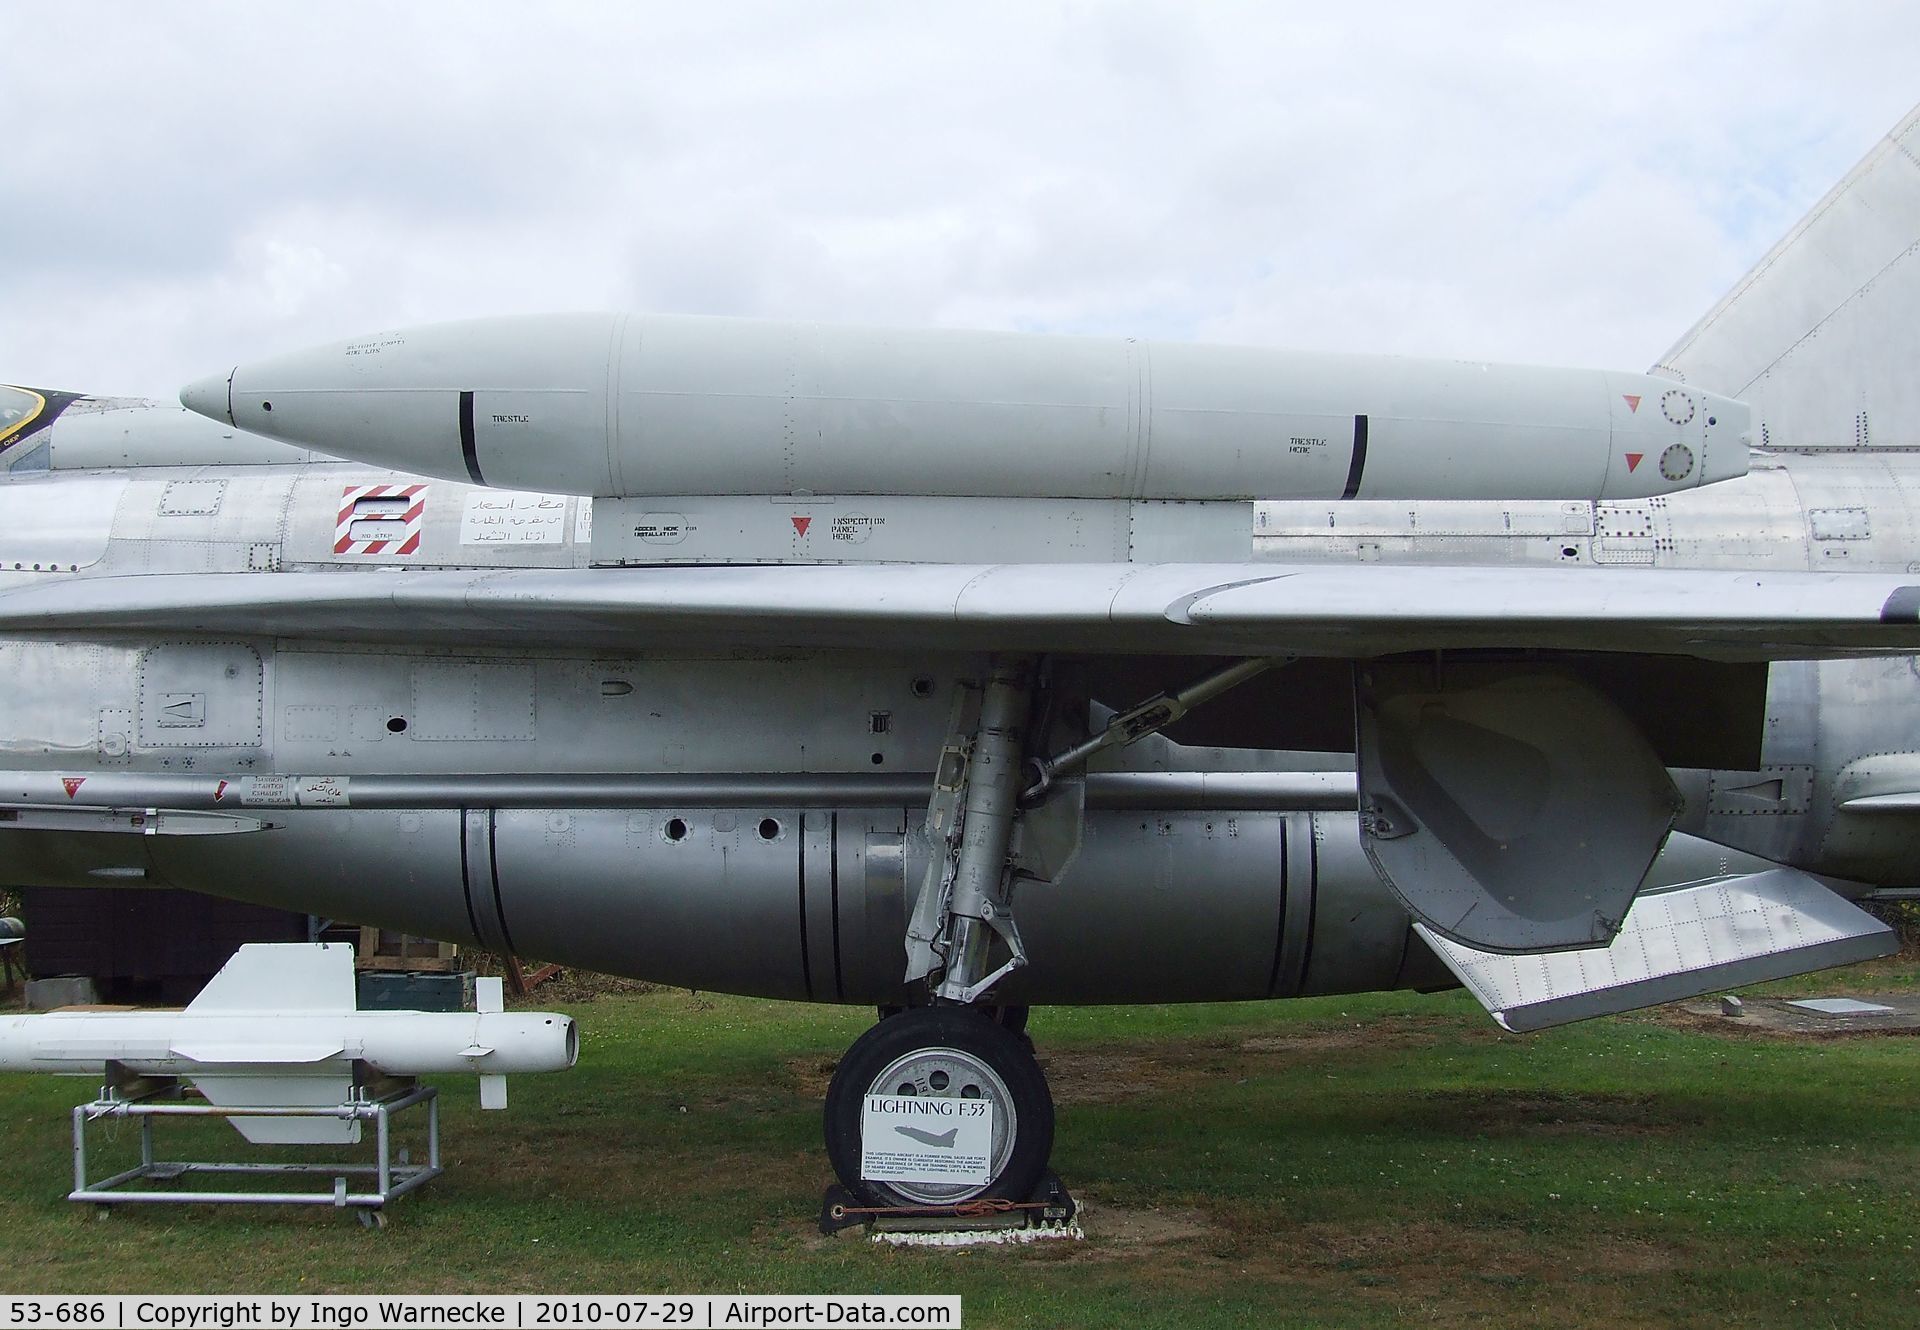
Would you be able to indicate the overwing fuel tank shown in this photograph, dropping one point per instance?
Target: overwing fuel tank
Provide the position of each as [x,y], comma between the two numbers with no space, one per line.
[642,406]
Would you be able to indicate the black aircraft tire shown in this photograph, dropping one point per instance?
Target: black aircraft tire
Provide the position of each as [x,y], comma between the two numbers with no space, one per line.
[976,1054]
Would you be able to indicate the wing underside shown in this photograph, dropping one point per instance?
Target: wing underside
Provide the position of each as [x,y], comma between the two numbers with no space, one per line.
[1473,779]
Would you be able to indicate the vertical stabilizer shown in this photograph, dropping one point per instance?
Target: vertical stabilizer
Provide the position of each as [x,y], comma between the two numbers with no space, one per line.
[282,976]
[1821,336]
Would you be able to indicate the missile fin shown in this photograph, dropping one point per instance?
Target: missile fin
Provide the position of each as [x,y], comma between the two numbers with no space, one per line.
[489,994]
[493,1091]
[265,1051]
[475,1051]
[295,1091]
[282,976]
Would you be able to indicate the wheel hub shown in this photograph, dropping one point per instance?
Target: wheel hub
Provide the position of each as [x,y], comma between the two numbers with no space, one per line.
[951,1073]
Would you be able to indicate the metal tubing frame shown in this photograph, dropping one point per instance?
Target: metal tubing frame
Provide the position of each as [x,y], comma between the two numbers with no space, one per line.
[391,1181]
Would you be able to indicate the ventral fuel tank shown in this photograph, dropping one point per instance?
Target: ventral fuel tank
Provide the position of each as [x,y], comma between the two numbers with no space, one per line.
[637,406]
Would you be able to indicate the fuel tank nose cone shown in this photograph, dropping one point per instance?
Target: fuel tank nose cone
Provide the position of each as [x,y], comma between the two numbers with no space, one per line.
[211,397]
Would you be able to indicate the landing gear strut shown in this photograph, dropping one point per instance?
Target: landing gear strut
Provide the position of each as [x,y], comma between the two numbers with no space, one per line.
[962,942]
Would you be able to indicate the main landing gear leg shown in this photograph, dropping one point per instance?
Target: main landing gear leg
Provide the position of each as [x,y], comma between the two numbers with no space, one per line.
[961,942]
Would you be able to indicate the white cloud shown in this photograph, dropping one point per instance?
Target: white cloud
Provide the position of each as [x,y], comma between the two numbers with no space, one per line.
[188,186]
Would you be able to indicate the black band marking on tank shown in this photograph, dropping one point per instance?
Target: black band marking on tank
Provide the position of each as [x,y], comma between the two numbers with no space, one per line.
[466,438]
[493,865]
[833,888]
[1358,465]
[1903,606]
[806,961]
[466,881]
[1313,901]
[1280,933]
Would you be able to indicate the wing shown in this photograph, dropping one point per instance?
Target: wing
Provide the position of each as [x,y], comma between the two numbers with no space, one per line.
[1469,786]
[1194,609]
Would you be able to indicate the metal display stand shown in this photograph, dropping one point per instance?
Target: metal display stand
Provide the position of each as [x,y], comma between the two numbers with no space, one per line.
[391,1180]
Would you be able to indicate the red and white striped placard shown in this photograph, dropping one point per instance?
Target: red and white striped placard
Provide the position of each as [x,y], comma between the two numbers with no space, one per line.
[373,533]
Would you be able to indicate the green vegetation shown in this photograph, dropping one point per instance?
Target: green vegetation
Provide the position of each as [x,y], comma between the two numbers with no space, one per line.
[1385,1160]
[1905,918]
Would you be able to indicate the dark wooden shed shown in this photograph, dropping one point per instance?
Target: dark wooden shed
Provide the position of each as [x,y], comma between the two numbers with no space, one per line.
[143,945]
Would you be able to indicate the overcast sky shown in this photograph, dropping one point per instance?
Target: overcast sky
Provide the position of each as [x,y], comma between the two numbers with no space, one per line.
[190,185]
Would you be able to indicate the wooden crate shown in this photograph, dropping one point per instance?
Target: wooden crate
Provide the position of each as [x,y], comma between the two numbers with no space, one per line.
[383,950]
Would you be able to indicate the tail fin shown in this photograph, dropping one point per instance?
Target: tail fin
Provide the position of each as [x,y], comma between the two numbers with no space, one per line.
[282,976]
[1821,337]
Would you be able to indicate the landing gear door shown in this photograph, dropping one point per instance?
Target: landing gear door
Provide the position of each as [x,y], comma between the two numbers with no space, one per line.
[1512,808]
[1052,828]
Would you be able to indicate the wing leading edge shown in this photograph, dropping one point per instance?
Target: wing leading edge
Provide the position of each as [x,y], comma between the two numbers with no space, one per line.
[1341,611]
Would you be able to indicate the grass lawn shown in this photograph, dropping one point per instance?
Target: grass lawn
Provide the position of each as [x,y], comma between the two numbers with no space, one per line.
[1384,1160]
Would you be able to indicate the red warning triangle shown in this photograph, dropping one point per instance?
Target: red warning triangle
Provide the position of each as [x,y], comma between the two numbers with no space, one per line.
[1633,401]
[1633,460]
[73,784]
[800,525]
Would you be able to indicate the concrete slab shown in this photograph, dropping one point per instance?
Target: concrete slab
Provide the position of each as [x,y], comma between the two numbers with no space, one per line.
[1841,1007]
[66,991]
[1881,1013]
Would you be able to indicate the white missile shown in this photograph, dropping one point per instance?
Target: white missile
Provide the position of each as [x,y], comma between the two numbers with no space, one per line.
[651,406]
[280,1026]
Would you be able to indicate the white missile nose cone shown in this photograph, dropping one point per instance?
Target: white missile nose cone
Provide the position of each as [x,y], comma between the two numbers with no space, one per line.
[211,397]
